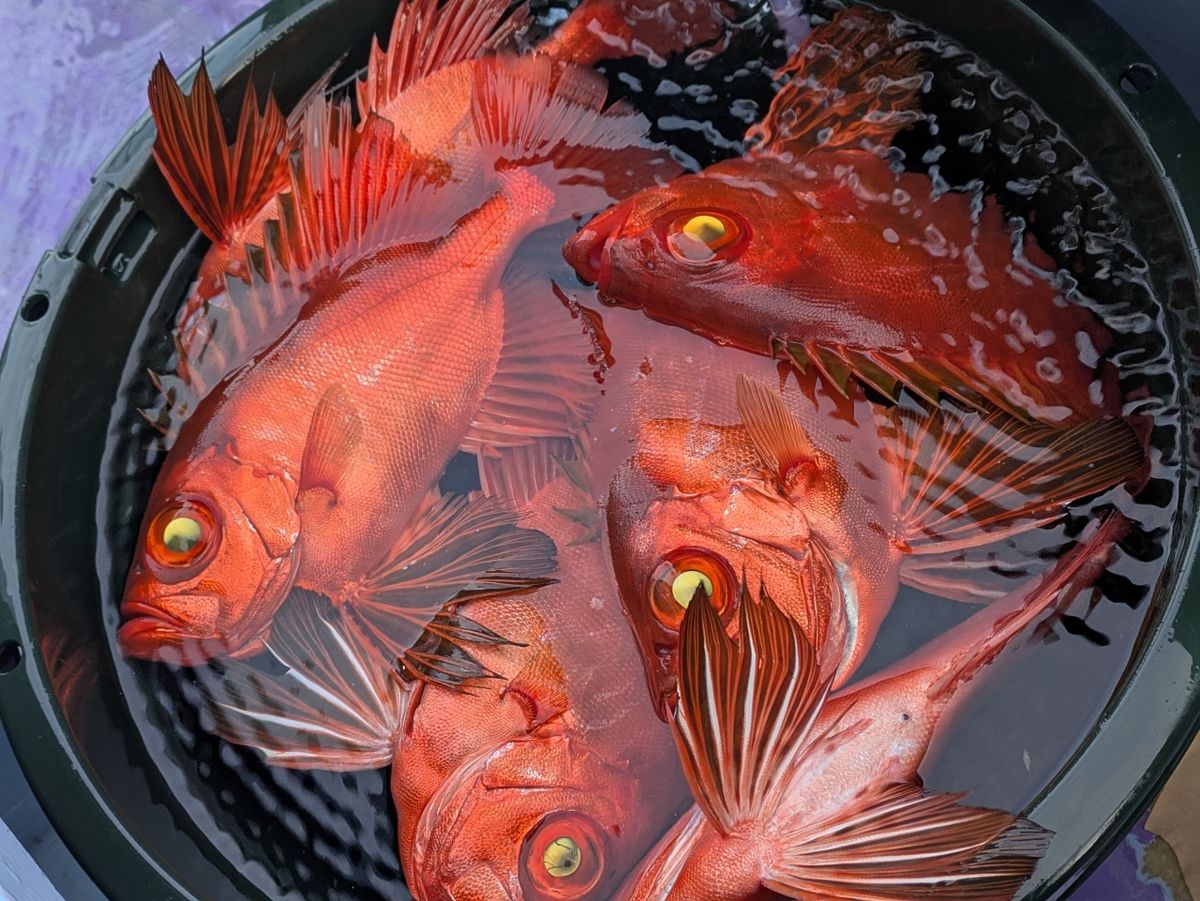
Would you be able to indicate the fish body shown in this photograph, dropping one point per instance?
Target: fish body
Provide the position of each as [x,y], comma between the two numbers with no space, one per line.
[830,503]
[820,796]
[813,249]
[409,344]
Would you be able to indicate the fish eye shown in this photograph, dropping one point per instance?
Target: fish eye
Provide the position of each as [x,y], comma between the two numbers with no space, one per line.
[678,579]
[182,533]
[562,857]
[700,237]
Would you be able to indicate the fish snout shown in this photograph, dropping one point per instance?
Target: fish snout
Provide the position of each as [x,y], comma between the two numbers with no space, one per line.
[171,627]
[588,252]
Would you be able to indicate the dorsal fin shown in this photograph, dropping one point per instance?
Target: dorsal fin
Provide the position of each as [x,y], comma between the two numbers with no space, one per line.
[854,80]
[899,842]
[337,707]
[745,706]
[548,119]
[220,187]
[427,36]
[352,192]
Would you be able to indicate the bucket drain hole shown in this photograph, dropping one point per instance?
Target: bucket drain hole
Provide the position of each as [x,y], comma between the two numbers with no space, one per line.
[1138,78]
[35,307]
[10,657]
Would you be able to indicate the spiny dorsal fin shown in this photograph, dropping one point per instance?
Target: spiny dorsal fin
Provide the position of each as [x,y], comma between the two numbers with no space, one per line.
[337,707]
[221,187]
[970,479]
[440,655]
[455,549]
[901,843]
[427,36]
[854,80]
[745,707]
[548,118]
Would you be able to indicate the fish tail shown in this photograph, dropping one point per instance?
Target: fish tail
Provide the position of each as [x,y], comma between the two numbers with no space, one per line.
[855,81]
[337,707]
[221,187]
[548,119]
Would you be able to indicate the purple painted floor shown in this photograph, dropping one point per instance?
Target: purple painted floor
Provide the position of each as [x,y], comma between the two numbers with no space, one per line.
[75,74]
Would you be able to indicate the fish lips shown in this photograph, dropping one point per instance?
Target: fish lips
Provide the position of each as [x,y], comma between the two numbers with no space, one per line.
[151,631]
[589,252]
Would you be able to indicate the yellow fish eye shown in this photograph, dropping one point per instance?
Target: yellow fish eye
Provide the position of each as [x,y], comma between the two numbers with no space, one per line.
[684,586]
[699,237]
[182,534]
[708,229]
[562,857]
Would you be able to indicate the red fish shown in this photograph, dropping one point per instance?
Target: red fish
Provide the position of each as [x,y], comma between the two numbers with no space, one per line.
[309,445]
[421,83]
[812,248]
[826,495]
[815,798]
[543,738]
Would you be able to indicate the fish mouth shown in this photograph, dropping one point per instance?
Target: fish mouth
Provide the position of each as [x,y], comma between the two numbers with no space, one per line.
[589,251]
[151,633]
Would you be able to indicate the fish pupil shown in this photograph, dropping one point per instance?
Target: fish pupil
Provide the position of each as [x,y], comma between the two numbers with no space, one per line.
[562,857]
[182,534]
[687,583]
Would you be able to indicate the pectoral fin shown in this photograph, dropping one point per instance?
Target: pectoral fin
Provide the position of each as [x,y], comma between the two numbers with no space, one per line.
[333,438]
[336,708]
[901,843]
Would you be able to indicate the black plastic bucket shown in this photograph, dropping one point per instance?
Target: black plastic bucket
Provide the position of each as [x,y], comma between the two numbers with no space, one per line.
[117,791]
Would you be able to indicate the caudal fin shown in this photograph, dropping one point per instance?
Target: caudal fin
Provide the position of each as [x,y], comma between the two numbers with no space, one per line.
[221,187]
[745,706]
[971,481]
[854,80]
[428,35]
[549,119]
[900,843]
[336,708]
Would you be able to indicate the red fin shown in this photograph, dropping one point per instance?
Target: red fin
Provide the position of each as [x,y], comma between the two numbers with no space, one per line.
[544,385]
[517,474]
[220,187]
[901,843]
[745,708]
[440,656]
[548,118]
[960,653]
[337,707]
[854,81]
[454,548]
[971,480]
[777,436]
[540,688]
[333,437]
[428,35]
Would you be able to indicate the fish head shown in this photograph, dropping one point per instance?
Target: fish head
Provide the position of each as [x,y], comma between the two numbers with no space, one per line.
[215,558]
[708,234]
[737,538]
[543,819]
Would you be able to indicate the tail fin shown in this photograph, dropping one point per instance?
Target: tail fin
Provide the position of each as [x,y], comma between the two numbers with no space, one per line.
[745,707]
[220,187]
[548,118]
[337,707]
[427,36]
[855,80]
[900,843]
[971,481]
